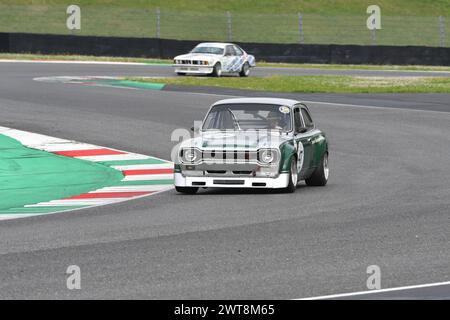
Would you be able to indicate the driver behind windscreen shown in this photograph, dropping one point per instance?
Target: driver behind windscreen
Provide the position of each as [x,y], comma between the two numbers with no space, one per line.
[275,120]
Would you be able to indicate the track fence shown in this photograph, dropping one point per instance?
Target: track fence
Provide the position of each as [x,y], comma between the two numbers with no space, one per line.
[296,27]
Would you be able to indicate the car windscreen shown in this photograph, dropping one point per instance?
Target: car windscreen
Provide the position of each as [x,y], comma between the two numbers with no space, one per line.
[248,117]
[210,50]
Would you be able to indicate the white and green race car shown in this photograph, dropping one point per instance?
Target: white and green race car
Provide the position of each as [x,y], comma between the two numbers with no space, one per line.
[215,58]
[253,143]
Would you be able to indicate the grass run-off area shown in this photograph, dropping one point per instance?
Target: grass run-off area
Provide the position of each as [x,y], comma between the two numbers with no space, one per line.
[316,84]
[404,22]
[14,56]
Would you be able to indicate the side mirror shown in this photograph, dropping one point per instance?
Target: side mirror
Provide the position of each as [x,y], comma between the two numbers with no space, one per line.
[196,130]
[301,130]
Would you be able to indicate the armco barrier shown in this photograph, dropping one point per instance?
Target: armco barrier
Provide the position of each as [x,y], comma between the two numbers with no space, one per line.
[4,42]
[166,48]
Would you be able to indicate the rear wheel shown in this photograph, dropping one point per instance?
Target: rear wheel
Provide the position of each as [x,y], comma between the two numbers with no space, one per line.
[187,190]
[293,177]
[217,70]
[321,174]
[181,73]
[245,71]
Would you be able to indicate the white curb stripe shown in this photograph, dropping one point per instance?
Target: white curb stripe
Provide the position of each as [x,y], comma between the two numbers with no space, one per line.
[75,202]
[32,140]
[12,216]
[55,145]
[144,166]
[350,294]
[79,62]
[133,188]
[116,157]
[148,177]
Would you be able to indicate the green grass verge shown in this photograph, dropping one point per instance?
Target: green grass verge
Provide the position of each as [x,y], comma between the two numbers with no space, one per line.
[354,66]
[404,22]
[22,56]
[317,84]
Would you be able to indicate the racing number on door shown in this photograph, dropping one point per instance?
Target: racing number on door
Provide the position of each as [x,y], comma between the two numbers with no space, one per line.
[299,143]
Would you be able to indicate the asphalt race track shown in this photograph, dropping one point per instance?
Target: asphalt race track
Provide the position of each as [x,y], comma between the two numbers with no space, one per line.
[387,202]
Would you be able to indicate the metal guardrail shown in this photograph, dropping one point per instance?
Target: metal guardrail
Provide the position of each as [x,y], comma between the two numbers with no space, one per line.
[296,27]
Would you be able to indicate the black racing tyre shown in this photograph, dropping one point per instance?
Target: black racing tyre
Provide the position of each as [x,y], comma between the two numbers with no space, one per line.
[181,73]
[320,176]
[245,71]
[187,190]
[217,70]
[293,177]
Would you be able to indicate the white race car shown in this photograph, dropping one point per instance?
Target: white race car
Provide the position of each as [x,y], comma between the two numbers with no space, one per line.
[214,58]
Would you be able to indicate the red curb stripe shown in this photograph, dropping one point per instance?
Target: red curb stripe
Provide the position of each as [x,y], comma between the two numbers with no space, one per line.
[147,171]
[86,153]
[109,195]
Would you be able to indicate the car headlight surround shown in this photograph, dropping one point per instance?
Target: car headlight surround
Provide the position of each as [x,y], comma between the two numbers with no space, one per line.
[190,155]
[268,156]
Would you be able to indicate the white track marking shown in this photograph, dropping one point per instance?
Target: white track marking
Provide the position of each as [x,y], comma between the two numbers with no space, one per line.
[148,177]
[372,107]
[115,157]
[32,139]
[167,64]
[55,145]
[144,166]
[143,188]
[318,102]
[82,62]
[342,295]
[11,216]
[75,202]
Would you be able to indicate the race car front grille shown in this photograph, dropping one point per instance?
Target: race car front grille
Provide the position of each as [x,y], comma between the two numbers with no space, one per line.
[230,172]
[222,156]
[192,62]
[243,172]
[234,182]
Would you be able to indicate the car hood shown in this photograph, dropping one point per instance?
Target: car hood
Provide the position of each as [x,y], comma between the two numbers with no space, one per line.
[237,140]
[196,56]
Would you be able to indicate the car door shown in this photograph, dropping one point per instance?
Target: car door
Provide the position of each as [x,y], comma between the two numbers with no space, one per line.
[311,138]
[228,58]
[302,144]
[240,58]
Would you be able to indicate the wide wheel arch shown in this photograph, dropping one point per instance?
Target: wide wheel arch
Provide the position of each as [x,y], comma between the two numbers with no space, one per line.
[287,151]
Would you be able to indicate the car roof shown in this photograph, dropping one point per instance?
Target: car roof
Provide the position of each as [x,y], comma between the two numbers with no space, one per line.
[277,101]
[214,44]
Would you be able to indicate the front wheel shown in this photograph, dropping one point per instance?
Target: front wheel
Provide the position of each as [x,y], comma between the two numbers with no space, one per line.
[217,70]
[187,190]
[321,174]
[245,71]
[181,73]
[293,177]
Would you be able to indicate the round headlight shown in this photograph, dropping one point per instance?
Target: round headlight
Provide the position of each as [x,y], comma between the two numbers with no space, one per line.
[190,155]
[267,156]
